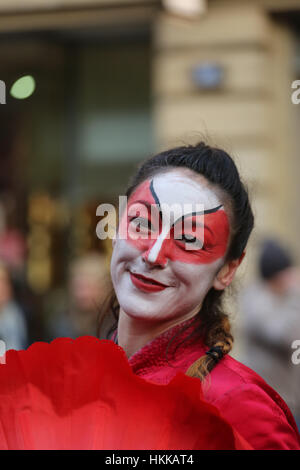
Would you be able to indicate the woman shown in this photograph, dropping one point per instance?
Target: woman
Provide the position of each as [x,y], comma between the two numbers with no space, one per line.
[169,285]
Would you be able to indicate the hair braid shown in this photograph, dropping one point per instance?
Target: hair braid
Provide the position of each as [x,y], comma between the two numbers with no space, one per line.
[219,337]
[215,332]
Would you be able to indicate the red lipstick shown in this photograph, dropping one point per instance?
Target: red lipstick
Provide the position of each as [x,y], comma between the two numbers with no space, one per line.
[146,284]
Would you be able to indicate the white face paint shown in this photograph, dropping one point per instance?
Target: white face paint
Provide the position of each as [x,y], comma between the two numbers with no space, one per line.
[184,277]
[178,193]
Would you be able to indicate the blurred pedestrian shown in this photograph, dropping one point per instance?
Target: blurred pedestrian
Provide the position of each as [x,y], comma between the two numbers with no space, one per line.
[87,287]
[271,322]
[13,328]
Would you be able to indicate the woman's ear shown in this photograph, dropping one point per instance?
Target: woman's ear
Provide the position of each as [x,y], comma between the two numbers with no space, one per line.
[227,273]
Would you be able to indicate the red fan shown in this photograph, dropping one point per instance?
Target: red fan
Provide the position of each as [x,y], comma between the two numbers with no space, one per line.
[82,394]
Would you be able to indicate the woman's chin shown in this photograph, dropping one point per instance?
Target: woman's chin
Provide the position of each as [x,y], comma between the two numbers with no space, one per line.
[143,314]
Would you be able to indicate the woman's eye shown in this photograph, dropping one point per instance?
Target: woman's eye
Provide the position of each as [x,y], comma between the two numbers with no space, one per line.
[140,223]
[190,242]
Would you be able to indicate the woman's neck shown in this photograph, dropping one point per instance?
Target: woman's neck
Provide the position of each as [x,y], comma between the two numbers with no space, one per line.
[133,333]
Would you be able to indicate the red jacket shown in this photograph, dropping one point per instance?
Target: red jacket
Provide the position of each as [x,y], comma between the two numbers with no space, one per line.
[255,410]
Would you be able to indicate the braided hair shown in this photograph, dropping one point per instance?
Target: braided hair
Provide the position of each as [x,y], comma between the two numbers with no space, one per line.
[212,324]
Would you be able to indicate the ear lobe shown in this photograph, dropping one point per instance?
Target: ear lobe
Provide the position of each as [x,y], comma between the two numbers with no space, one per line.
[226,274]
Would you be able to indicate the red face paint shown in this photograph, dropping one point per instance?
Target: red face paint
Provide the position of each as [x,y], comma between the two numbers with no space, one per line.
[142,226]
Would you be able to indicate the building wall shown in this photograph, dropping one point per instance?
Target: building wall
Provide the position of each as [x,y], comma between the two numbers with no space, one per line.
[30,15]
[250,115]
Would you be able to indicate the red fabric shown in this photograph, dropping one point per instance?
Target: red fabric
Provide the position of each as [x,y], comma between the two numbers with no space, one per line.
[255,410]
[82,394]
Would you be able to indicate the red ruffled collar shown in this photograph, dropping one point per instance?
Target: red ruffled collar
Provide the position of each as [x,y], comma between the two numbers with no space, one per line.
[153,354]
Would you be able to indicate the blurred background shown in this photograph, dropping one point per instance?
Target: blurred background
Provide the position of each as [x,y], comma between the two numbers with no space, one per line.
[95,86]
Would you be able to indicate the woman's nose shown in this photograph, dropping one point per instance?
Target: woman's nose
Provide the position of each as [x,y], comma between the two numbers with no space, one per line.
[157,254]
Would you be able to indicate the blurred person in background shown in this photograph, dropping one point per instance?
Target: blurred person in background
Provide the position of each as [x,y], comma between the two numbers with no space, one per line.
[13,328]
[87,288]
[12,240]
[271,322]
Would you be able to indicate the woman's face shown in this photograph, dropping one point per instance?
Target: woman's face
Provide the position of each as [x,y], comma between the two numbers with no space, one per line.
[171,243]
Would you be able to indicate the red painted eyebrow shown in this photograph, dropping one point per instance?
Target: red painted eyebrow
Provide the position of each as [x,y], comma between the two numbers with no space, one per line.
[148,205]
[199,224]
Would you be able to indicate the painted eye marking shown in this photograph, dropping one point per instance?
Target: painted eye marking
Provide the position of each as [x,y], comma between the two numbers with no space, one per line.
[141,223]
[188,238]
[190,243]
[155,197]
[203,233]
[190,214]
[193,214]
[141,218]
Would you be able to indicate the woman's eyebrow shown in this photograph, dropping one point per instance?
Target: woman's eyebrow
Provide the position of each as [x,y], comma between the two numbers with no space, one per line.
[194,214]
[148,205]
[199,224]
[190,214]
[155,197]
[207,211]
[142,201]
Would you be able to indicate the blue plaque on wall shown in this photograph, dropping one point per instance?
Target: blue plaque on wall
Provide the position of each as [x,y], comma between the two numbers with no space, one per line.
[208,76]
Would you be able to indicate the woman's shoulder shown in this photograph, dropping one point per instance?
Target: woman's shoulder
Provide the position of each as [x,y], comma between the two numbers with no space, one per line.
[252,406]
[232,373]
[231,376]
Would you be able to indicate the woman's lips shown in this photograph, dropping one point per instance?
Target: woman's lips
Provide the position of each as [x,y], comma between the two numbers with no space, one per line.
[146,284]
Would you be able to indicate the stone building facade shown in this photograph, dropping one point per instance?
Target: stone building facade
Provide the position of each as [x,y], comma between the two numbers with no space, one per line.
[225,76]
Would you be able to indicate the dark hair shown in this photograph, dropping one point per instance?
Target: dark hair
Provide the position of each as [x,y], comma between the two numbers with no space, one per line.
[220,171]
